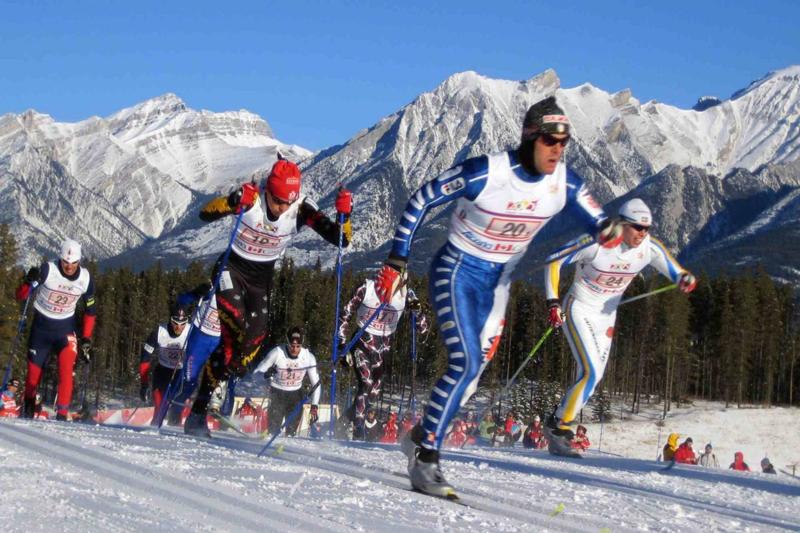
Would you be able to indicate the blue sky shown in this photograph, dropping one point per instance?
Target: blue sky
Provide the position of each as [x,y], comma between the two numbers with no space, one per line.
[321,71]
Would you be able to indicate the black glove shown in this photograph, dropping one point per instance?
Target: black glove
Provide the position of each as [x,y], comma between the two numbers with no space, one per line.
[143,392]
[271,371]
[85,350]
[202,290]
[344,360]
[415,305]
[32,275]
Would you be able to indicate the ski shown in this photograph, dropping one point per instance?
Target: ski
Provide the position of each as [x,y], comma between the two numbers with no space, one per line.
[225,421]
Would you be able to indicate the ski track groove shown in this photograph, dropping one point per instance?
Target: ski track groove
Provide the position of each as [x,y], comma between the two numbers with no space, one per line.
[164,489]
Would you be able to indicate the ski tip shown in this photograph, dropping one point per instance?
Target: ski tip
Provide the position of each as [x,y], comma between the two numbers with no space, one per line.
[452,496]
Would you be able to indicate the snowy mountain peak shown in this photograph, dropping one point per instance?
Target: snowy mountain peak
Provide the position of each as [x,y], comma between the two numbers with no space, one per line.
[785,76]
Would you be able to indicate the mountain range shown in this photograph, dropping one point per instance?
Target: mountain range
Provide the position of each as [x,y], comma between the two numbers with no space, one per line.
[722,179]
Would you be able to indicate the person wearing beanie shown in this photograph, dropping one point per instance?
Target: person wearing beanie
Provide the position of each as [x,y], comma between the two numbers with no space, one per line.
[685,453]
[502,201]
[707,458]
[270,215]
[766,466]
[59,286]
[590,308]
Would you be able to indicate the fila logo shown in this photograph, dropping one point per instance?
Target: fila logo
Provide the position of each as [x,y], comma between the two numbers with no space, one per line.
[453,186]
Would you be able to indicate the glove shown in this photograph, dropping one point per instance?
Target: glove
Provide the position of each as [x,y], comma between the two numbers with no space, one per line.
[314,414]
[415,305]
[609,234]
[555,316]
[344,201]
[202,290]
[388,279]
[143,392]
[32,275]
[85,350]
[245,197]
[687,282]
[271,371]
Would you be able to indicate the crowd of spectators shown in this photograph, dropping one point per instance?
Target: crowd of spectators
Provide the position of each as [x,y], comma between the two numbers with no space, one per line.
[685,454]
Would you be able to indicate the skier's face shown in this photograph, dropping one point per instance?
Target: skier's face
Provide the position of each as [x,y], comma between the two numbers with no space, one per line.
[69,268]
[547,151]
[276,206]
[294,348]
[634,234]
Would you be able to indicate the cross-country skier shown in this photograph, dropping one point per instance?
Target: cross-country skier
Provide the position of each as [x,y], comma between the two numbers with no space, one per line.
[203,340]
[503,201]
[266,229]
[601,277]
[366,357]
[61,284]
[287,365]
[166,344]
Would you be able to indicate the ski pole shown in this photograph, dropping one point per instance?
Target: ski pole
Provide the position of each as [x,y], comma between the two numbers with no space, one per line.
[335,349]
[511,381]
[296,411]
[574,245]
[20,329]
[85,384]
[167,400]
[648,294]
[413,403]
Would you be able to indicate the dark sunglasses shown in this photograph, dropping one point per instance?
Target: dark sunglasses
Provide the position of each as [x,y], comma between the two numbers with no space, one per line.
[639,227]
[549,140]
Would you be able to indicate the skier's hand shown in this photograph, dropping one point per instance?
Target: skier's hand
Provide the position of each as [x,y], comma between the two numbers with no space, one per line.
[245,197]
[202,290]
[687,282]
[32,275]
[555,316]
[389,278]
[314,414]
[344,202]
[143,392]
[85,350]
[609,234]
[415,305]
[271,371]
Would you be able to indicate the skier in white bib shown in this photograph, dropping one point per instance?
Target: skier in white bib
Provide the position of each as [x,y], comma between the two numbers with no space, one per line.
[601,277]
[503,201]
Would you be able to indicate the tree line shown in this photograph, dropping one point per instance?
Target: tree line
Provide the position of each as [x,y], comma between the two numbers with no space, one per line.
[734,339]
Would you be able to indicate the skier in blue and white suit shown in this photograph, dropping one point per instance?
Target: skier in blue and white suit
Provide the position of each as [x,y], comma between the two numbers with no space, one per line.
[503,201]
[601,277]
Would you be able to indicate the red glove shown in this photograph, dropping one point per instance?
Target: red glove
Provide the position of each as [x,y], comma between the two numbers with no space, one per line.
[248,195]
[609,234]
[344,201]
[387,282]
[687,282]
[555,316]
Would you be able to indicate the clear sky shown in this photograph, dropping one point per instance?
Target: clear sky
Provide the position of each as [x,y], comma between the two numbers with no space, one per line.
[319,72]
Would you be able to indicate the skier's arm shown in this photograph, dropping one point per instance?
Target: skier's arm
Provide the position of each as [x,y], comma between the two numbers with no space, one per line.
[268,362]
[349,309]
[89,311]
[310,215]
[583,204]
[662,260]
[467,179]
[245,197]
[552,272]
[313,378]
[34,274]
[148,350]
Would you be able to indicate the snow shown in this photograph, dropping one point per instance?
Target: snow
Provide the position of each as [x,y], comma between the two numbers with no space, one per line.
[74,477]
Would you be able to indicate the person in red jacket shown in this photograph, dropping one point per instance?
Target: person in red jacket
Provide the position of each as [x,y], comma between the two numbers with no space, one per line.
[581,441]
[534,435]
[458,437]
[738,463]
[407,423]
[390,430]
[685,453]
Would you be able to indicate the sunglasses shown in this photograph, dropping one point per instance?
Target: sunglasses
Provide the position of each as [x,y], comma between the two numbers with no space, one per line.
[549,140]
[639,227]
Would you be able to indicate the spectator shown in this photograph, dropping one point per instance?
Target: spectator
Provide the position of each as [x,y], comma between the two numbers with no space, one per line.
[685,453]
[581,441]
[390,430]
[372,428]
[458,437]
[707,458]
[470,425]
[766,466]
[8,400]
[407,423]
[671,447]
[738,463]
[512,430]
[534,435]
[487,428]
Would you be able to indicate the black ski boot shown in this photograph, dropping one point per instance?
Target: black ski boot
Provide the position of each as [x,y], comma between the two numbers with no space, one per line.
[61,418]
[559,439]
[28,408]
[196,425]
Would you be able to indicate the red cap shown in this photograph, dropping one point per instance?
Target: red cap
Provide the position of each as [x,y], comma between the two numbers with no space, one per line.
[283,181]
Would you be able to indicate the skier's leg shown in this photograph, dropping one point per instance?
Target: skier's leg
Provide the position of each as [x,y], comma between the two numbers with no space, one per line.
[275,410]
[378,349]
[293,399]
[361,365]
[39,346]
[66,363]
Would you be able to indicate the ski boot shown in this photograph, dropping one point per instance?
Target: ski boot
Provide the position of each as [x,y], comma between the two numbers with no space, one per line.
[427,477]
[174,415]
[196,425]
[28,408]
[61,418]
[359,430]
[559,439]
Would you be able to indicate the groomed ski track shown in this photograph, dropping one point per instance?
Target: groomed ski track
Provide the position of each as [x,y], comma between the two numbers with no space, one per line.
[115,479]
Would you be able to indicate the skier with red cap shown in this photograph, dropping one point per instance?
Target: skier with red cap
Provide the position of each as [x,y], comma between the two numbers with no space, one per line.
[267,226]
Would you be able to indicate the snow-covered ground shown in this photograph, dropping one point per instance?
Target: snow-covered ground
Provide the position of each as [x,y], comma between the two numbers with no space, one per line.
[73,477]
